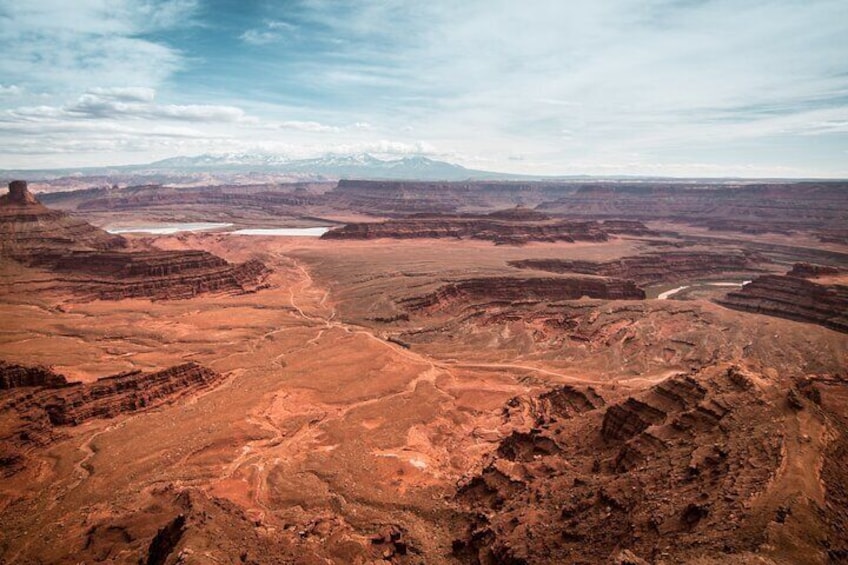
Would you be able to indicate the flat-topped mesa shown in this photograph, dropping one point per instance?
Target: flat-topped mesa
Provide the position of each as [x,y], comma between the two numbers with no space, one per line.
[19,195]
[157,275]
[520,289]
[773,207]
[93,265]
[810,271]
[515,226]
[652,268]
[27,227]
[795,299]
[520,214]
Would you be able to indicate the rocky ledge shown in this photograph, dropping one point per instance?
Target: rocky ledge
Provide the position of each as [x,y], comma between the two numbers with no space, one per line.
[771,207]
[16,376]
[94,267]
[652,268]
[515,226]
[811,271]
[522,289]
[793,298]
[27,227]
[42,402]
[159,275]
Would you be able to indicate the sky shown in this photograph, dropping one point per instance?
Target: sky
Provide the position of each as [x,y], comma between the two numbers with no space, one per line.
[749,88]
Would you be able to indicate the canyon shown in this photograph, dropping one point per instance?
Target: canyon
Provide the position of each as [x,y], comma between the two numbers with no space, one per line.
[458,372]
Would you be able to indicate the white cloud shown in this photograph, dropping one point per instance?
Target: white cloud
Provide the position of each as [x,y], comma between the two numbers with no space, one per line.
[124,93]
[126,104]
[637,85]
[56,46]
[313,127]
[272,32]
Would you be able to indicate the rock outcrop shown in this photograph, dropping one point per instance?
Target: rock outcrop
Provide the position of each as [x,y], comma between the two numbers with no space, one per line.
[152,197]
[793,298]
[408,197]
[662,473]
[506,227]
[94,266]
[522,289]
[157,275]
[16,376]
[757,208]
[124,393]
[653,268]
[28,228]
[42,402]
[811,271]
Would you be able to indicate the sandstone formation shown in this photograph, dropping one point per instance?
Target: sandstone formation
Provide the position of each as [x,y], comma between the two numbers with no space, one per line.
[123,393]
[153,274]
[627,227]
[28,228]
[517,289]
[670,471]
[409,197]
[793,298]
[654,267]
[776,207]
[811,271]
[42,401]
[507,227]
[413,401]
[152,197]
[93,265]
[16,376]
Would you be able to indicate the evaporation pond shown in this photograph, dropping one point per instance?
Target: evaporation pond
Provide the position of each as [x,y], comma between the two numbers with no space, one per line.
[166,229]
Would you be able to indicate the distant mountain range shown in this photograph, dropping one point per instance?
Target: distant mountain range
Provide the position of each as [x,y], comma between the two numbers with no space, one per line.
[358,166]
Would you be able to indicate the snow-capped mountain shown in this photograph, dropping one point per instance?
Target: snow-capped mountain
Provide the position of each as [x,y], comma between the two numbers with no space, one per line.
[332,166]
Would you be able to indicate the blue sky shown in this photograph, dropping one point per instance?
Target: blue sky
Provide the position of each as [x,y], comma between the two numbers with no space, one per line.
[669,87]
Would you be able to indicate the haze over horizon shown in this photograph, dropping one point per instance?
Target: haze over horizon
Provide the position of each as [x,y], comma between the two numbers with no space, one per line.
[664,87]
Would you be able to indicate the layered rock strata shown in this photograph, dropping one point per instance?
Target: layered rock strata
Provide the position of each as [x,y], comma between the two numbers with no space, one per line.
[94,268]
[514,227]
[793,298]
[811,271]
[123,393]
[42,402]
[652,268]
[16,376]
[28,228]
[522,289]
[153,274]
[777,207]
[409,197]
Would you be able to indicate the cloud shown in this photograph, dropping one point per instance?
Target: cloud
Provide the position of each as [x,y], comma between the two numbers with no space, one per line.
[57,46]
[126,103]
[124,93]
[271,32]
[11,90]
[729,83]
[313,127]
[384,148]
